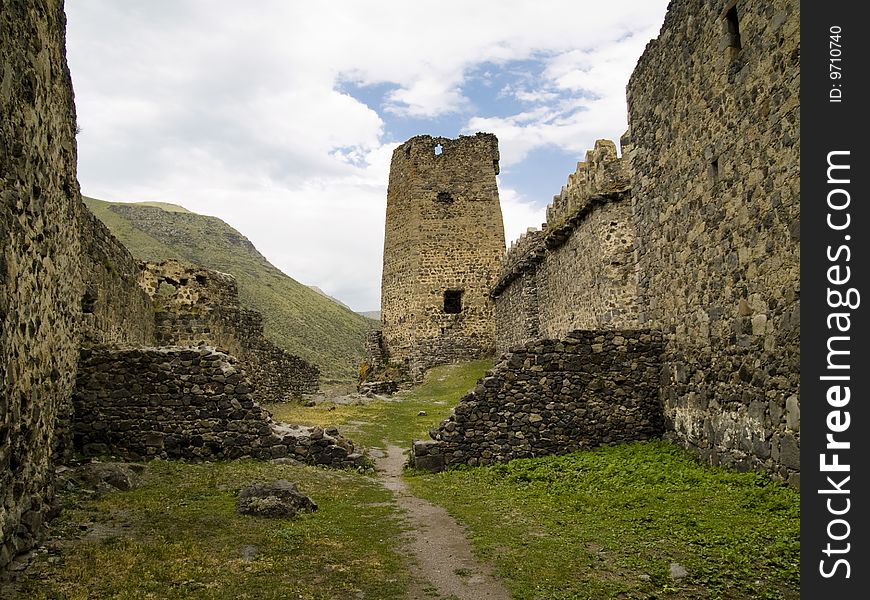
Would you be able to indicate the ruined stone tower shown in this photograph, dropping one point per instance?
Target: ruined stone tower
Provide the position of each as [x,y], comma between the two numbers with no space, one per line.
[443,243]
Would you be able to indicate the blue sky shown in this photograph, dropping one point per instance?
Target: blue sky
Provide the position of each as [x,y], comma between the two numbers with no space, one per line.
[280,117]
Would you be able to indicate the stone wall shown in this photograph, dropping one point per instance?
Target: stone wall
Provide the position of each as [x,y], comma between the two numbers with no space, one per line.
[443,241]
[376,374]
[115,309]
[517,308]
[40,291]
[188,403]
[552,397]
[579,270]
[195,306]
[714,147]
[278,375]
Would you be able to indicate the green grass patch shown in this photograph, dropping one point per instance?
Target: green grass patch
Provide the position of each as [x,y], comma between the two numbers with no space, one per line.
[397,419]
[591,525]
[178,536]
[609,523]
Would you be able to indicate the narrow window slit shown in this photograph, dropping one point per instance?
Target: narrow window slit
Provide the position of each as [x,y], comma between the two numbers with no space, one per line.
[732,28]
[713,171]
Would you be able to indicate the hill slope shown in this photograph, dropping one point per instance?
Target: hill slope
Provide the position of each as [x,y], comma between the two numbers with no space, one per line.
[295,317]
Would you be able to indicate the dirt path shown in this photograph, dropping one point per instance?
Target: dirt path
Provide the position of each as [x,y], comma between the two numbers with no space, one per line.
[443,564]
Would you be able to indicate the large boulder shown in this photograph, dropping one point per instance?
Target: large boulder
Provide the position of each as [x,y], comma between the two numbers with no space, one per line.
[279,499]
[101,477]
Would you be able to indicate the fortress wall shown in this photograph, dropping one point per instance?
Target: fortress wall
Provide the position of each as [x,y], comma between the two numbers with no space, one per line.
[278,375]
[517,308]
[444,234]
[553,397]
[197,306]
[715,153]
[193,305]
[589,281]
[188,403]
[115,309]
[579,271]
[40,289]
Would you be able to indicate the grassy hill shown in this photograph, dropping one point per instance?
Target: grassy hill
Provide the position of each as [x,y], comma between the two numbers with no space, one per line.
[295,317]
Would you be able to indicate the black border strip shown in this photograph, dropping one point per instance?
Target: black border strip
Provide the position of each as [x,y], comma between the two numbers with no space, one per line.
[834,247]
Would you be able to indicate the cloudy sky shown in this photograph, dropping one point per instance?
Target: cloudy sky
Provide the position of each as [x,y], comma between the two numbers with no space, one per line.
[280,116]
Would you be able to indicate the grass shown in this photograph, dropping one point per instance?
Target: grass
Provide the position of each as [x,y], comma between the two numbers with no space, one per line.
[596,525]
[396,420]
[178,536]
[589,525]
[609,523]
[295,317]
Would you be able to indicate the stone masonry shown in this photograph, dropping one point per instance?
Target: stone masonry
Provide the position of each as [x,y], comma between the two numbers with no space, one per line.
[65,281]
[552,397]
[714,146]
[376,374]
[578,271]
[40,291]
[189,403]
[708,253]
[712,161]
[114,307]
[197,306]
[443,241]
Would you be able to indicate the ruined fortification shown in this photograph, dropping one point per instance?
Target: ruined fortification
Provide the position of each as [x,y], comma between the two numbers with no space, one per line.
[40,302]
[443,242]
[693,233]
[552,397]
[186,402]
[67,282]
[715,154]
[678,263]
[195,306]
[578,271]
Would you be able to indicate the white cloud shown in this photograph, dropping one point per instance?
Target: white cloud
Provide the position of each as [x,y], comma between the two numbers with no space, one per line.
[519,214]
[580,98]
[427,97]
[236,110]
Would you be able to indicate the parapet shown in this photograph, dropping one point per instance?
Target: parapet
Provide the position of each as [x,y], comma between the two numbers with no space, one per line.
[426,148]
[174,284]
[195,306]
[524,253]
[603,177]
[602,173]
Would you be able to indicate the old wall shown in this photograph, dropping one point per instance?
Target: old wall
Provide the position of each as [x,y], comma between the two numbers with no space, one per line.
[114,307]
[517,307]
[376,374]
[443,242]
[579,270]
[553,397]
[40,291]
[714,134]
[278,375]
[194,306]
[190,403]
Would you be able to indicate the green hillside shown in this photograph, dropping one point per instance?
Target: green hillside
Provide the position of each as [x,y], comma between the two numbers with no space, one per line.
[305,322]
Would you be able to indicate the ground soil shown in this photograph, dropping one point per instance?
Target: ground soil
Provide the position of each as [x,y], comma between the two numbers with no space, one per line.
[442,564]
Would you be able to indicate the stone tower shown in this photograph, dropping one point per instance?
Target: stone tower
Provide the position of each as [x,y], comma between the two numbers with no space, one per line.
[443,244]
